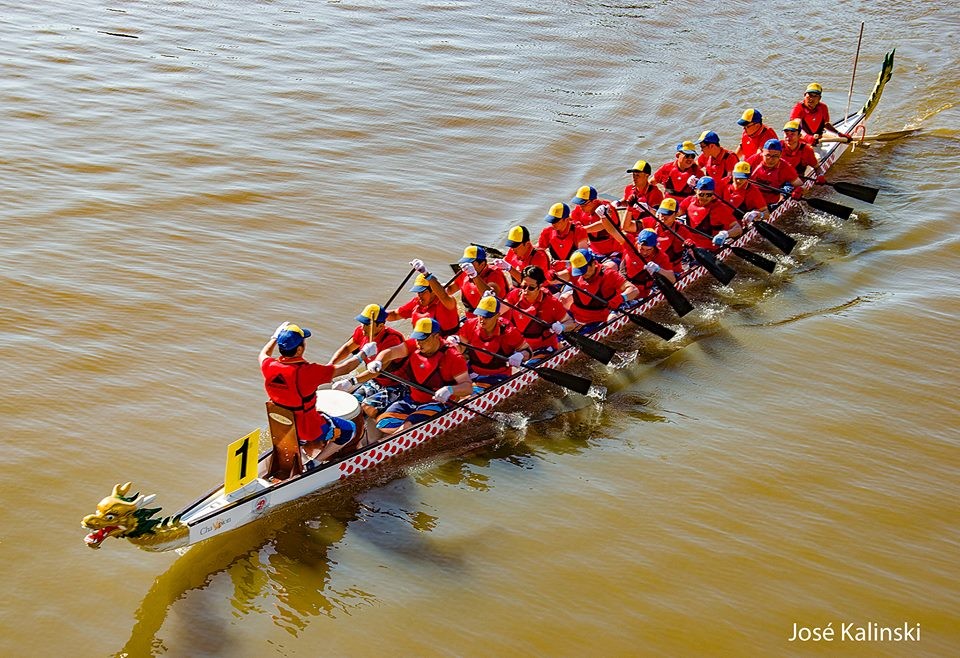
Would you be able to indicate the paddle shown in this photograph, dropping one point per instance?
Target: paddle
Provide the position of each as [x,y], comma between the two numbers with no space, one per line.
[829,207]
[592,348]
[645,323]
[674,297]
[399,288]
[854,190]
[424,389]
[773,235]
[879,137]
[573,382]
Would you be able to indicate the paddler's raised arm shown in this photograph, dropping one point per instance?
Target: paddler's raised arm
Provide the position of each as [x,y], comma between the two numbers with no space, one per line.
[267,351]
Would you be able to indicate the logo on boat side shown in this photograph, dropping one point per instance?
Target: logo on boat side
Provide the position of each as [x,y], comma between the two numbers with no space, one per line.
[261,505]
[216,525]
[283,420]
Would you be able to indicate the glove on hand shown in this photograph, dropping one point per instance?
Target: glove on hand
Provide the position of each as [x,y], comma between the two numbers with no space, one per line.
[720,238]
[469,269]
[443,394]
[515,360]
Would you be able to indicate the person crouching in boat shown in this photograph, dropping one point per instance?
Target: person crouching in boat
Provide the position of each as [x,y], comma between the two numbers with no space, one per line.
[795,152]
[430,301]
[477,276]
[533,298]
[715,161]
[490,332]
[588,209]
[291,382]
[522,254]
[640,191]
[560,239]
[814,116]
[375,394]
[755,133]
[433,364]
[676,179]
[605,282]
[737,191]
[707,215]
[668,242]
[767,168]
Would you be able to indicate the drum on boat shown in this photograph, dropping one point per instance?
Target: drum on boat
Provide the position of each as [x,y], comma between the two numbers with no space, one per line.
[343,405]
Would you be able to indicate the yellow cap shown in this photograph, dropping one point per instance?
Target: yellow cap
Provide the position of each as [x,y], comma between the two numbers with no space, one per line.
[517,236]
[793,124]
[741,170]
[424,328]
[557,212]
[689,148]
[668,206]
[487,308]
[641,167]
[372,312]
[814,88]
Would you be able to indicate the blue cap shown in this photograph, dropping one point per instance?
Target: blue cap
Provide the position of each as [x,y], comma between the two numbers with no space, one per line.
[580,260]
[585,194]
[647,238]
[473,253]
[292,337]
[709,137]
[773,145]
[706,183]
[425,328]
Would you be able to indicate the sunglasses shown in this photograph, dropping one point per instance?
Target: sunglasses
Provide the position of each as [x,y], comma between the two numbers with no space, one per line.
[687,155]
[533,287]
[703,193]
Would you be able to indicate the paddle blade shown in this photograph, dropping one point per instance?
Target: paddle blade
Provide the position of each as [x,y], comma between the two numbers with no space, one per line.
[754,258]
[861,192]
[592,348]
[775,236]
[674,297]
[580,385]
[719,271]
[831,208]
[651,326]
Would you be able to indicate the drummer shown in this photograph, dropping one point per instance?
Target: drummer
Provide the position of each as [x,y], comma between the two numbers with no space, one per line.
[291,382]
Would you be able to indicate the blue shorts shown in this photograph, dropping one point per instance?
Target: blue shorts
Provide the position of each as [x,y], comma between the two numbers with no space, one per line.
[338,430]
[405,410]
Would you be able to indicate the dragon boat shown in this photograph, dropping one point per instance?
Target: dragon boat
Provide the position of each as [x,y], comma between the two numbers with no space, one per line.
[251,489]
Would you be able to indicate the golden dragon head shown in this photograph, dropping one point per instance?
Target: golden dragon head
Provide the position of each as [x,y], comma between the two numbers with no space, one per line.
[122,516]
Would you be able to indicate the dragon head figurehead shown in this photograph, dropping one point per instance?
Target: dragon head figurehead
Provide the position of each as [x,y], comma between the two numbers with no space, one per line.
[128,517]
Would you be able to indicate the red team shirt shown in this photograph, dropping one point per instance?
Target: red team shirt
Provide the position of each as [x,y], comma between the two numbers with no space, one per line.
[448,318]
[719,167]
[547,307]
[600,241]
[675,180]
[537,256]
[633,267]
[606,283]
[389,337]
[504,340]
[561,247]
[799,159]
[292,382]
[470,294]
[743,199]
[777,177]
[813,122]
[432,372]
[711,219]
[651,197]
[752,145]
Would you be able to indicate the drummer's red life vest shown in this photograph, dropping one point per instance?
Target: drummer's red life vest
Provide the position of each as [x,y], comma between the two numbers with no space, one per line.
[291,382]
[504,340]
[389,337]
[546,307]
[432,372]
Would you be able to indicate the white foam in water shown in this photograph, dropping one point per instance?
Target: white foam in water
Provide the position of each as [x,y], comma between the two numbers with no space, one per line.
[623,359]
[514,420]
[597,392]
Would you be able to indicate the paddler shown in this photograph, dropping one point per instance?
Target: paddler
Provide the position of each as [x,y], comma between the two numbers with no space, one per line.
[430,301]
[605,282]
[676,179]
[640,190]
[588,209]
[767,168]
[477,276]
[796,152]
[737,191]
[534,298]
[814,116]
[560,239]
[644,260]
[291,382]
[430,362]
[375,394]
[707,215]
[715,161]
[489,332]
[667,241]
[522,254]
[755,133]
